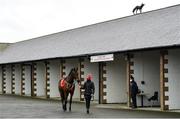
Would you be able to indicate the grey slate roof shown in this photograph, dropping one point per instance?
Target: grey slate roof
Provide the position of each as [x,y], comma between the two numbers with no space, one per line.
[159,28]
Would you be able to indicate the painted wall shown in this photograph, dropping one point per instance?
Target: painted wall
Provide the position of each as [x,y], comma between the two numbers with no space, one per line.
[8,79]
[54,77]
[116,80]
[73,63]
[41,79]
[174,79]
[147,68]
[92,68]
[0,79]
[17,79]
[27,80]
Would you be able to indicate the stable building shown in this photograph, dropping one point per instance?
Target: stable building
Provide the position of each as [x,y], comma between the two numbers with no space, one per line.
[145,46]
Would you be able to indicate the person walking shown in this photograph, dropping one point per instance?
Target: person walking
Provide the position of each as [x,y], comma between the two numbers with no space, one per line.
[133,92]
[89,90]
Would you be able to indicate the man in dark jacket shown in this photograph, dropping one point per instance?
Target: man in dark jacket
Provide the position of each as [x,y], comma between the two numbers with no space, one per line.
[133,91]
[89,91]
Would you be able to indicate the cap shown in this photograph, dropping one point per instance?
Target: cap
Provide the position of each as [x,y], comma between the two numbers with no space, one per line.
[132,77]
[89,77]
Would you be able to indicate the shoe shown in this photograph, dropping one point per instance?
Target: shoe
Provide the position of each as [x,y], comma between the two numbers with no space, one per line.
[87,111]
[133,107]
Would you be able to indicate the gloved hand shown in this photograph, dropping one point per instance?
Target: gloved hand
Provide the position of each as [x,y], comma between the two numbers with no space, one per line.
[92,97]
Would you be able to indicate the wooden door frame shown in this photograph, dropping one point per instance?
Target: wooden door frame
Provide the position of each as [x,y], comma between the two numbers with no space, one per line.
[102,86]
[129,72]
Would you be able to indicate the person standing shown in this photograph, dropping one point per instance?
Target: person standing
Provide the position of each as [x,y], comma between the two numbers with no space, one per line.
[89,90]
[133,92]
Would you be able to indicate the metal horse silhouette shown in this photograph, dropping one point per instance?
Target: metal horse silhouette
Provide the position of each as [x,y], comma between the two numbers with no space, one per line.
[66,86]
[135,10]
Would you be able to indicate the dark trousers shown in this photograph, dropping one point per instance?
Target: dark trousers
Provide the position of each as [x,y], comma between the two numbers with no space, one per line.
[88,100]
[134,101]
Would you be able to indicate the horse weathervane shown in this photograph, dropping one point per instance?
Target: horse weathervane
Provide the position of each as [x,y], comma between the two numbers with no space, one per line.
[135,10]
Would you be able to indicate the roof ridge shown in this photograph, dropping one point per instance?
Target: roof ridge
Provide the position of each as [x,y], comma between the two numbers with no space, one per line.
[98,23]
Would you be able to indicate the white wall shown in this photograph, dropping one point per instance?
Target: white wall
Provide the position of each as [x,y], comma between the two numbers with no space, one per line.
[27,80]
[73,63]
[8,79]
[92,68]
[41,79]
[174,79]
[0,79]
[147,68]
[116,80]
[17,79]
[54,78]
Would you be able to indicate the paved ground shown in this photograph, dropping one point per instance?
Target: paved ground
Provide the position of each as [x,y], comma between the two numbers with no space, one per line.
[13,106]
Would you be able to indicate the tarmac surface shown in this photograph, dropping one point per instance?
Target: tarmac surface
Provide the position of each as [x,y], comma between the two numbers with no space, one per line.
[23,107]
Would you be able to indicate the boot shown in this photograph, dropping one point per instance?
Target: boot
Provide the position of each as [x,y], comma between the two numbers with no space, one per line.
[87,111]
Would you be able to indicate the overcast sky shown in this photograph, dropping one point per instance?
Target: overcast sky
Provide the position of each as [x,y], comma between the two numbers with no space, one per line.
[26,19]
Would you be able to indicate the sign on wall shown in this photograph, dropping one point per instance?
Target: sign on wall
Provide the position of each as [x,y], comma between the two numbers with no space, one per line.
[100,58]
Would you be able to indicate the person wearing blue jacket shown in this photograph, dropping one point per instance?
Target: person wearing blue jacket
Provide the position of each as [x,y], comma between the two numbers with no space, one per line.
[133,92]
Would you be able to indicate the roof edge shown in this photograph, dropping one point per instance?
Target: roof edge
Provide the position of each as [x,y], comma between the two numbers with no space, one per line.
[175,46]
